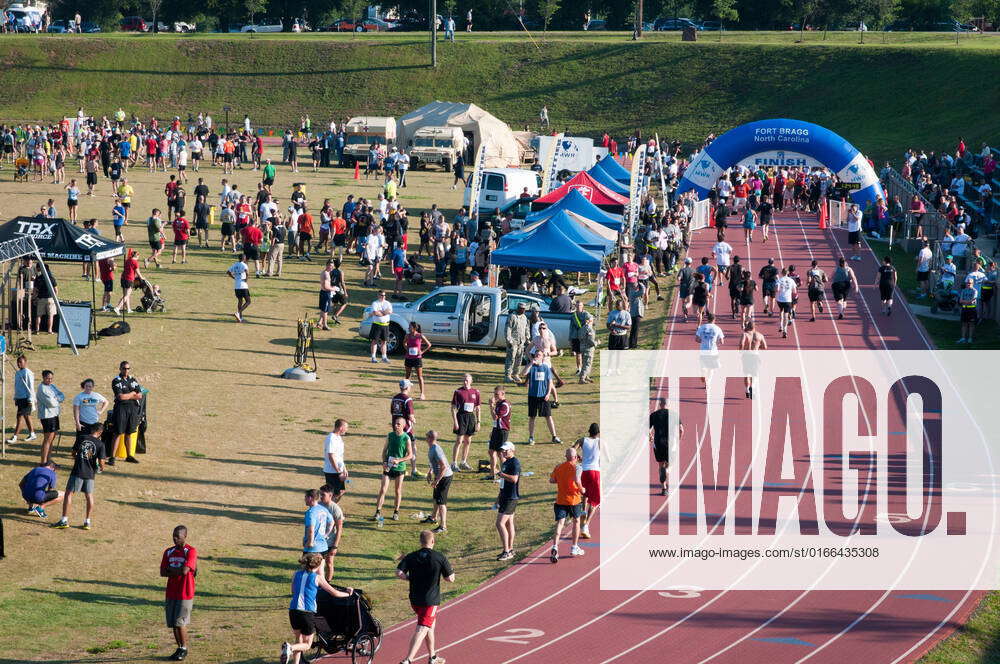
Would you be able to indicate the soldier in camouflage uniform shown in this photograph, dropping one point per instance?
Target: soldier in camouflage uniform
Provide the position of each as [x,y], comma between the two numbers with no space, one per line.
[518,337]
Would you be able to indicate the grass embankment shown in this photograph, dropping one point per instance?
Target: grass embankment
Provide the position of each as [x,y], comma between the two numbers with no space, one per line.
[881,97]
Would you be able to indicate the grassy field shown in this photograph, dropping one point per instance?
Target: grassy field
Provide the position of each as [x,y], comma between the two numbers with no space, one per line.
[883,97]
[231,449]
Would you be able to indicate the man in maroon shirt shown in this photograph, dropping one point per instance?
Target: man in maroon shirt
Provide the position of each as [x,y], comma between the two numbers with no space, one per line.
[500,411]
[179,566]
[252,237]
[465,405]
[182,231]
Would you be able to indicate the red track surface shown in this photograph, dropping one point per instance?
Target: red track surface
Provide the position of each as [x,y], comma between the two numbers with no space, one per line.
[539,612]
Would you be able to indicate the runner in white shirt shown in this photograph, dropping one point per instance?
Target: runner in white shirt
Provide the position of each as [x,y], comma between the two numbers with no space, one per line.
[709,335]
[590,476]
[854,230]
[241,275]
[379,335]
[784,294]
[723,258]
[924,257]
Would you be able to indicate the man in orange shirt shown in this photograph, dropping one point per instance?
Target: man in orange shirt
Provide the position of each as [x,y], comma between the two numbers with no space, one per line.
[228,154]
[339,232]
[305,234]
[569,502]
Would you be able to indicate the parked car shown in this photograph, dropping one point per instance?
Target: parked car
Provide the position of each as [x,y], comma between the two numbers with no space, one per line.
[674,24]
[366,25]
[133,24]
[464,317]
[62,26]
[89,27]
[710,25]
[597,24]
[264,25]
[413,21]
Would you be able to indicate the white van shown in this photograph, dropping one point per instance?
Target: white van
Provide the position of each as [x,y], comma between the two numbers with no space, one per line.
[502,186]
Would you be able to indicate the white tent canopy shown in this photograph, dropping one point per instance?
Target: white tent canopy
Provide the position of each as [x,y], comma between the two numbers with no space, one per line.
[501,148]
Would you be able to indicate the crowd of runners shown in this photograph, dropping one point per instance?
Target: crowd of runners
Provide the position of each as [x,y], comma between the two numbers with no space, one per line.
[262,227]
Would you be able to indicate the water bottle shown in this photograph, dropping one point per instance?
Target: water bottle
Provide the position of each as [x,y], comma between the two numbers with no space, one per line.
[380,521]
[529,474]
[419,516]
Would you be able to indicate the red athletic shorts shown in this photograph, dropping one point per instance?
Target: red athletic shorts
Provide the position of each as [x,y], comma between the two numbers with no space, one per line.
[398,271]
[591,480]
[425,614]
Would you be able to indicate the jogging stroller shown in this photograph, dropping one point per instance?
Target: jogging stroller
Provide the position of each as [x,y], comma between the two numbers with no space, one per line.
[152,299]
[413,272]
[21,170]
[945,297]
[347,625]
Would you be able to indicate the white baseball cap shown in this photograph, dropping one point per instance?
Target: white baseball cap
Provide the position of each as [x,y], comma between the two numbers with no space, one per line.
[405,384]
[507,446]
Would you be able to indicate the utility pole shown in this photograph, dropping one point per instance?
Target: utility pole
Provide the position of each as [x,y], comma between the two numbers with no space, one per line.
[432,9]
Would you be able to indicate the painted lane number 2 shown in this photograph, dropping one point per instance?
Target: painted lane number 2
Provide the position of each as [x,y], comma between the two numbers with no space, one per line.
[518,635]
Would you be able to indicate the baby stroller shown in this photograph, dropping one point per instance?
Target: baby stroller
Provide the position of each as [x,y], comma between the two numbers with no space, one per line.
[347,625]
[413,272]
[152,299]
[945,297]
[21,170]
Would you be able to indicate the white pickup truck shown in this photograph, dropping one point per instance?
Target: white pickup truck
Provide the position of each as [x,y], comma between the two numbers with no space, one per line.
[464,317]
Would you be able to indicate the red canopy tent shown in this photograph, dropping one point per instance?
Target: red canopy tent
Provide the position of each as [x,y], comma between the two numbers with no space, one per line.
[591,189]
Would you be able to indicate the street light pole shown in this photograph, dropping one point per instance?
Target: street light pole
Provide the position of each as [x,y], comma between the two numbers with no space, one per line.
[434,29]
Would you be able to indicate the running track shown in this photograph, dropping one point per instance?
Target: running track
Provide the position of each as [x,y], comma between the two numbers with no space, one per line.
[539,612]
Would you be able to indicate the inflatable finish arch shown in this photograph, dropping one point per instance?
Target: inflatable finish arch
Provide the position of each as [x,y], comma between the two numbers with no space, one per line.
[803,138]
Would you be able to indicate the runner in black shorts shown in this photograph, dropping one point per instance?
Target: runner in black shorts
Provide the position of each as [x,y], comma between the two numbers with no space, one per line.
[659,435]
[510,482]
[768,276]
[539,407]
[465,410]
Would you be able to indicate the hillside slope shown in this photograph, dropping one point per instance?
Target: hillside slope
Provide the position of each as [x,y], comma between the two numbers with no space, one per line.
[882,98]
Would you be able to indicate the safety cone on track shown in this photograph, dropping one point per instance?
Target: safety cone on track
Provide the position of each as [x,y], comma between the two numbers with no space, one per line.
[357,171]
[822,214]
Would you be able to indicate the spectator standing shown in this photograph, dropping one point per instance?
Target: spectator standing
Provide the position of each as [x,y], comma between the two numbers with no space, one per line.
[637,311]
[542,381]
[45,304]
[38,488]
[128,410]
[424,569]
[517,336]
[24,399]
[569,496]
[88,406]
[49,399]
[588,345]
[327,501]
[318,524]
[379,335]
[179,566]
[449,29]
[88,460]
[334,467]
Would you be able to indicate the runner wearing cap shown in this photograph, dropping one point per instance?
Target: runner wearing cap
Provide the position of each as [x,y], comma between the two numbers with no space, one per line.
[439,477]
[401,405]
[568,504]
[510,478]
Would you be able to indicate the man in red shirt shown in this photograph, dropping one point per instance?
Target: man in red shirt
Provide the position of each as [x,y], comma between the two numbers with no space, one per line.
[305,233]
[182,231]
[631,271]
[252,237]
[616,282]
[339,236]
[106,268]
[179,566]
[465,407]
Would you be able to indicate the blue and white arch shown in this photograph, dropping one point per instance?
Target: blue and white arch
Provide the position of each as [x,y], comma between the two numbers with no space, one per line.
[775,139]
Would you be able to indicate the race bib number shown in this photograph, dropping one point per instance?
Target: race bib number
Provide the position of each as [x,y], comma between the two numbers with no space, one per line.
[468,406]
[413,351]
[540,375]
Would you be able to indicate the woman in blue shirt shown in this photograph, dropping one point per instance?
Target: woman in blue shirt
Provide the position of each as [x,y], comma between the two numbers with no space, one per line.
[302,610]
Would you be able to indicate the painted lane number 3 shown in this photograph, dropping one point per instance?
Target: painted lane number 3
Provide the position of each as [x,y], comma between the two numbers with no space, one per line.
[518,635]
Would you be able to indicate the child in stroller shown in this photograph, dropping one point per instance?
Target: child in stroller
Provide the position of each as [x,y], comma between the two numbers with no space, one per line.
[945,296]
[152,299]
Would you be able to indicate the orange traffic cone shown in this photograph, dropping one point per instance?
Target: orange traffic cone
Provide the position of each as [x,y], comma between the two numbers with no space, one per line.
[822,214]
[357,171]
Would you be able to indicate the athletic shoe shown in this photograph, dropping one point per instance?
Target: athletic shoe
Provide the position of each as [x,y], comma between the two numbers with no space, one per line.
[961,341]
[556,440]
[31,437]
[40,511]
[576,551]
[455,467]
[812,320]
[554,555]
[376,516]
[286,653]
[840,316]
[439,530]
[437,659]
[429,519]
[86,524]
[784,335]
[395,516]
[465,466]
[12,440]
[374,361]
[505,555]
[531,440]
[663,492]
[131,459]
[61,523]
[385,360]
[585,532]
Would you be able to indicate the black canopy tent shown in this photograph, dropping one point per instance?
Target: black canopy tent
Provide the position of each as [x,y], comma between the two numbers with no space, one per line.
[60,240]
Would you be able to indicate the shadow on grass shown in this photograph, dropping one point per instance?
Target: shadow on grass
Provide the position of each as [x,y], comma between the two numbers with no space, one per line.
[235,514]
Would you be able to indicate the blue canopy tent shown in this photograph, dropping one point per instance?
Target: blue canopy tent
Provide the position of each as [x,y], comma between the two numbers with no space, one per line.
[548,248]
[573,229]
[575,202]
[605,178]
[615,170]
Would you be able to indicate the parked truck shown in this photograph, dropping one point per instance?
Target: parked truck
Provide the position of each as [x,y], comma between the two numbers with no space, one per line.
[464,317]
[363,132]
[436,145]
